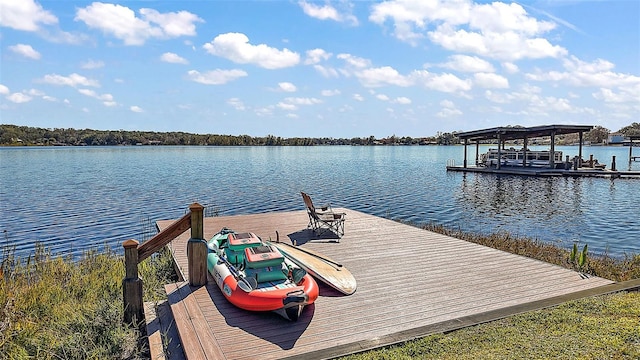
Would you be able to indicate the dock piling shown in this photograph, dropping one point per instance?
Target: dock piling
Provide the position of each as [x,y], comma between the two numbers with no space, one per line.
[613,163]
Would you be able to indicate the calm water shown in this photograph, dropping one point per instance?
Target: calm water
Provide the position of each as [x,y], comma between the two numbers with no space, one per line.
[78,198]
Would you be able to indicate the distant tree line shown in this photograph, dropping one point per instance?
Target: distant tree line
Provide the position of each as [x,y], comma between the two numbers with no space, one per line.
[26,135]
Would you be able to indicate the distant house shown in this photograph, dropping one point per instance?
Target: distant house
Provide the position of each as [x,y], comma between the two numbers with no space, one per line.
[615,139]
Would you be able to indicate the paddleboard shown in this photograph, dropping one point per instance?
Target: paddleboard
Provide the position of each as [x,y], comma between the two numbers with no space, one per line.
[320,267]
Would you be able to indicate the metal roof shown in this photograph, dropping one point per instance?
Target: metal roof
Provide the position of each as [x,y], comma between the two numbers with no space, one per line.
[510,133]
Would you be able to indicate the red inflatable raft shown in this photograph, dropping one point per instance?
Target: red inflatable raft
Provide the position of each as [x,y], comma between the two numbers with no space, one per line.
[255,276]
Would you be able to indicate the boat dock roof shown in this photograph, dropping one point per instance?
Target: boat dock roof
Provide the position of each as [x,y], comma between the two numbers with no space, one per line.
[411,283]
[512,133]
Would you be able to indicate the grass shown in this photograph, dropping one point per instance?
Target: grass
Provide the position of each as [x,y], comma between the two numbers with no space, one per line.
[61,308]
[603,327]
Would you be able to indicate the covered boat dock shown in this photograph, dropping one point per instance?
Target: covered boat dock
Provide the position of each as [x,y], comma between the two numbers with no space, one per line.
[524,166]
[502,134]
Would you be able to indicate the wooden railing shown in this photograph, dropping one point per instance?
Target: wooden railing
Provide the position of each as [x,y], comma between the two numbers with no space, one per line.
[135,252]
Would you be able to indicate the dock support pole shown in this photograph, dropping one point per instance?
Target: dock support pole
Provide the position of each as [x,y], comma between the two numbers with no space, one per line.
[478,153]
[197,250]
[466,142]
[613,163]
[580,146]
[132,285]
[552,153]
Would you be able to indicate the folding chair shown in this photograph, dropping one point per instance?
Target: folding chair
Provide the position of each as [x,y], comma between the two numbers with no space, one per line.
[325,219]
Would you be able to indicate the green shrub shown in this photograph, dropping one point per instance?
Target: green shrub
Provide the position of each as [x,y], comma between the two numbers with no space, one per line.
[58,308]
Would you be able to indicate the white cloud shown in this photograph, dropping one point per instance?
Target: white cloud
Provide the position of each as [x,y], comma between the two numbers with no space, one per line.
[386,75]
[330,92]
[236,104]
[72,80]
[447,83]
[92,64]
[215,77]
[173,58]
[354,61]
[26,51]
[326,12]
[358,97]
[326,72]
[287,106]
[35,92]
[122,22]
[508,46]
[173,24]
[4,90]
[402,100]
[19,98]
[498,17]
[287,87]
[302,101]
[609,96]
[449,109]
[466,63]
[596,74]
[510,67]
[136,109]
[447,104]
[236,47]
[107,99]
[25,15]
[490,80]
[495,30]
[265,111]
[382,97]
[446,112]
[316,56]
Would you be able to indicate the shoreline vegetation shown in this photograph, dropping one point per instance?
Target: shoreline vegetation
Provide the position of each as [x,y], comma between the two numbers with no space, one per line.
[13,135]
[57,307]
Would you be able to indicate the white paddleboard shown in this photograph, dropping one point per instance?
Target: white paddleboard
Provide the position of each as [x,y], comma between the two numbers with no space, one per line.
[320,267]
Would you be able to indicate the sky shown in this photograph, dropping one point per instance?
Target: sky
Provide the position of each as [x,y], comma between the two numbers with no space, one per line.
[339,69]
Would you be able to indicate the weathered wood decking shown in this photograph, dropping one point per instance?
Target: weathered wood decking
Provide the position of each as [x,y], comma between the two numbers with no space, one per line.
[411,282]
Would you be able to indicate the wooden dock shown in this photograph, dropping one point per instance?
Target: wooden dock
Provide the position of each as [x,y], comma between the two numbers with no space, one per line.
[545,172]
[411,283]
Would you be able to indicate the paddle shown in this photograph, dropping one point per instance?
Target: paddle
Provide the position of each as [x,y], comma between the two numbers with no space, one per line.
[310,253]
[246,284]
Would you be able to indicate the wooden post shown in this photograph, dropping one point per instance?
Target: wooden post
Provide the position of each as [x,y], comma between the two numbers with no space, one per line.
[525,148]
[466,142]
[197,250]
[132,285]
[613,163]
[580,146]
[591,161]
[552,153]
[477,152]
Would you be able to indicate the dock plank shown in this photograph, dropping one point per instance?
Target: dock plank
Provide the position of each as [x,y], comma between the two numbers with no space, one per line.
[410,282]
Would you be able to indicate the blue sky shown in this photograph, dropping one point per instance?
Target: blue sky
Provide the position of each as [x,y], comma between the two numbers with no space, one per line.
[337,69]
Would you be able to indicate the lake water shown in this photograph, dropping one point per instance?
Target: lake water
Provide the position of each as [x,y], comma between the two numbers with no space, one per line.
[77,198]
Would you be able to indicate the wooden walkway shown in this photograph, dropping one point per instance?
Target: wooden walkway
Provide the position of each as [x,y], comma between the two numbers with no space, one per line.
[411,282]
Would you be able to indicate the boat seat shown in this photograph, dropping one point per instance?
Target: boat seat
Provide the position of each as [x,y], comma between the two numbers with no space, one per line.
[262,256]
[268,273]
[237,243]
